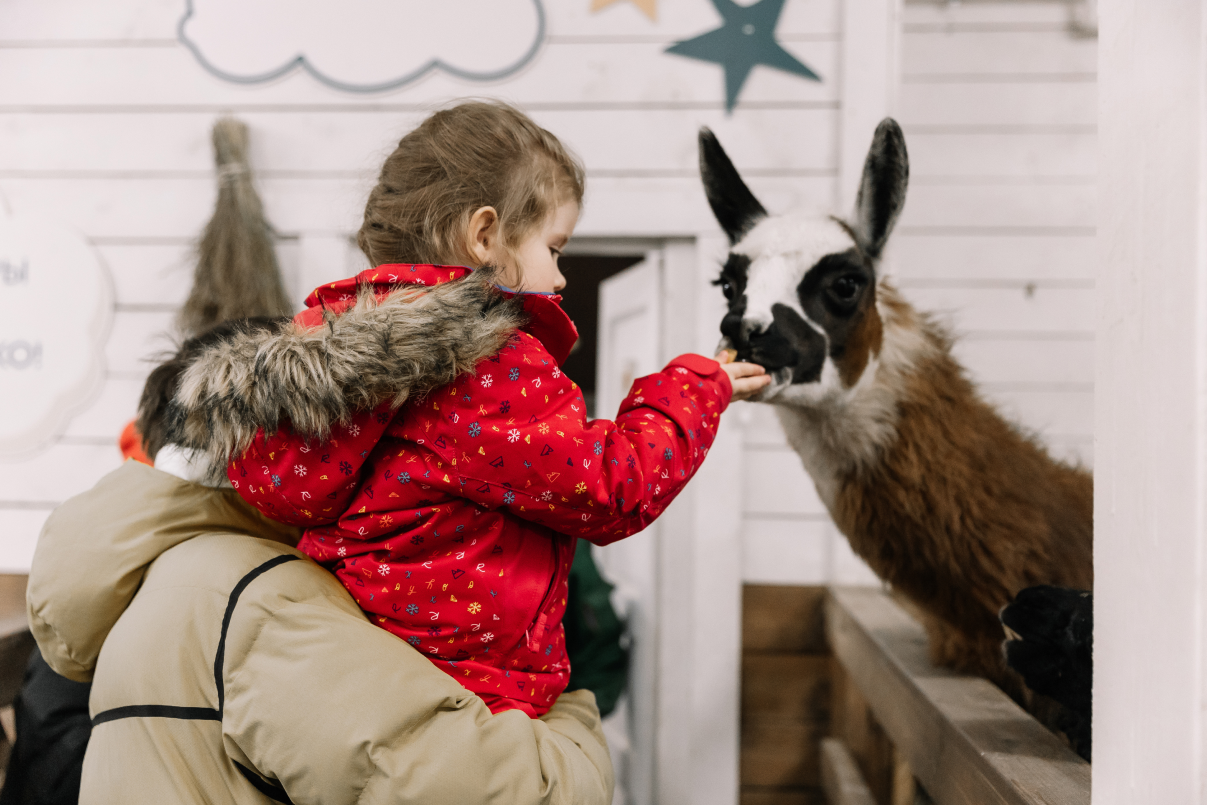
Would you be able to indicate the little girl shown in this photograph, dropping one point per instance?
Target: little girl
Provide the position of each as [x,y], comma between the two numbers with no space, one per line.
[452,520]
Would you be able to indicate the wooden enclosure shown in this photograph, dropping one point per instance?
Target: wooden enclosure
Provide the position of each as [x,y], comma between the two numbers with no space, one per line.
[841,705]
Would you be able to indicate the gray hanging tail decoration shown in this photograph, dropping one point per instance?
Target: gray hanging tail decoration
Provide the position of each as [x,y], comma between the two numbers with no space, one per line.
[237,274]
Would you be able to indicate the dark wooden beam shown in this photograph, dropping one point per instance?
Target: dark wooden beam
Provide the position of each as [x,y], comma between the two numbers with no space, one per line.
[15,640]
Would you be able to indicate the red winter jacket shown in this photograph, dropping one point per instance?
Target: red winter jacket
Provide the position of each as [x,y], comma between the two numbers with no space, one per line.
[453,520]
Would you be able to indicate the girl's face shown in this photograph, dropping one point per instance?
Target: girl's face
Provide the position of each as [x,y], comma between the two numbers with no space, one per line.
[533,267]
[537,254]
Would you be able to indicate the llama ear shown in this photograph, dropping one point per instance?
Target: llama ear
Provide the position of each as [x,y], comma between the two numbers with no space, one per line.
[736,208]
[882,189]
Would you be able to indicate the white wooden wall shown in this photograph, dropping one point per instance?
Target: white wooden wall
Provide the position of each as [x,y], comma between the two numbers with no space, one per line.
[998,104]
[104,122]
[105,117]
[1150,503]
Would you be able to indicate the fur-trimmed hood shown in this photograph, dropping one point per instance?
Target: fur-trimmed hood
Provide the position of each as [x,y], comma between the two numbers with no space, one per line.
[368,348]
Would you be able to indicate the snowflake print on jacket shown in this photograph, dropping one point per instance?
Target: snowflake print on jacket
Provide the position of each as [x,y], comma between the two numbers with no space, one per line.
[452,520]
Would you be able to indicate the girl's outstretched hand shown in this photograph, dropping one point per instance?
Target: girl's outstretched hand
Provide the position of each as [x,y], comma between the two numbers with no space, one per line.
[747,379]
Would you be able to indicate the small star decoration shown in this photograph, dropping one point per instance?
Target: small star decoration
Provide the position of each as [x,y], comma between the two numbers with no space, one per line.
[745,39]
[650,7]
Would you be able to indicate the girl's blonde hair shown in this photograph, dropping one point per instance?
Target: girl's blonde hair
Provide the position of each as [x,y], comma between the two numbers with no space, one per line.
[476,154]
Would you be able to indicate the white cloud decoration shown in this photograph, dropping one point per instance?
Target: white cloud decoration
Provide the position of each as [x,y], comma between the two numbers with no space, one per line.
[363,45]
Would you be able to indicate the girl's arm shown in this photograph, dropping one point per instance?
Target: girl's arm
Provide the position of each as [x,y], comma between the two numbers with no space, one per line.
[304,482]
[522,442]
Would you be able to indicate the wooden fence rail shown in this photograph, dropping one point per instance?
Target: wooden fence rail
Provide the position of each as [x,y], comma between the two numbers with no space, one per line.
[964,740]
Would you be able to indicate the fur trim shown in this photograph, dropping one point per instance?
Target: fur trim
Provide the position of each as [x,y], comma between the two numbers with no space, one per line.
[414,340]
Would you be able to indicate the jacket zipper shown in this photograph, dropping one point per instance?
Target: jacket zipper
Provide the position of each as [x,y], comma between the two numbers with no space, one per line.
[534,631]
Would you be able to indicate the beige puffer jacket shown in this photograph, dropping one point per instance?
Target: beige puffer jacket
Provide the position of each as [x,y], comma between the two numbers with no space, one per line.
[228,668]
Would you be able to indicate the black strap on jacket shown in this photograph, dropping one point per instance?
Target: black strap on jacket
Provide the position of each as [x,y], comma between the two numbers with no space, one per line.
[270,790]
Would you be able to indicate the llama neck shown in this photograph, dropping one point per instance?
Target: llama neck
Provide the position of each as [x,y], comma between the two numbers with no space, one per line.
[849,431]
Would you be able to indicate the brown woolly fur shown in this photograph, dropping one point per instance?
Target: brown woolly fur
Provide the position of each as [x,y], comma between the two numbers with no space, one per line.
[476,154]
[961,510]
[410,342]
[237,275]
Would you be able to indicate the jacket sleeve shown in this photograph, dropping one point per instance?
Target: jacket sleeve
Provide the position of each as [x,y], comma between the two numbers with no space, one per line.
[302,482]
[524,443]
[339,711]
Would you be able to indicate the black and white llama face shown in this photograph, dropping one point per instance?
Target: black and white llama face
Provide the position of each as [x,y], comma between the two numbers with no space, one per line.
[802,288]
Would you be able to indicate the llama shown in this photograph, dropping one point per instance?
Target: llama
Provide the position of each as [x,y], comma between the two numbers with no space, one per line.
[948,502]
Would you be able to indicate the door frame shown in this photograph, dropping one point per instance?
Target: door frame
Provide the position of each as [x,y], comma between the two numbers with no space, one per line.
[690,729]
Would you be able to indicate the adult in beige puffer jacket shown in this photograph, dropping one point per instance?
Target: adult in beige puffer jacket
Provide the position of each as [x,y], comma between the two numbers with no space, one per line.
[228,668]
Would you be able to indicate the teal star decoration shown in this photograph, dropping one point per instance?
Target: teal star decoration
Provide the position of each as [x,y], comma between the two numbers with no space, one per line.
[744,40]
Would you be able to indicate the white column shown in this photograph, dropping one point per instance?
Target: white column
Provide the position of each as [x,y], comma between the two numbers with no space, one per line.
[699,568]
[1151,405]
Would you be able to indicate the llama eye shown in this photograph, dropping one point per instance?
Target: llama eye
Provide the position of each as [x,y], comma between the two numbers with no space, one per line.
[726,288]
[845,289]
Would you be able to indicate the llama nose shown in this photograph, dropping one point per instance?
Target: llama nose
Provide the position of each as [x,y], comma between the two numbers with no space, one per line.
[752,330]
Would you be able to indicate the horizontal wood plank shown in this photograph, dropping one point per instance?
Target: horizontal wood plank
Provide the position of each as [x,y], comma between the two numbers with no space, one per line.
[1028,309]
[783,618]
[1029,363]
[581,75]
[840,776]
[781,688]
[775,482]
[987,52]
[980,258]
[983,13]
[779,550]
[781,753]
[1013,155]
[633,141]
[138,340]
[1050,413]
[964,739]
[1000,106]
[1061,207]
[50,476]
[105,418]
[110,210]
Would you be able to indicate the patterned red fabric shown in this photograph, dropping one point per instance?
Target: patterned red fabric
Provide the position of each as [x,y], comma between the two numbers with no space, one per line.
[453,520]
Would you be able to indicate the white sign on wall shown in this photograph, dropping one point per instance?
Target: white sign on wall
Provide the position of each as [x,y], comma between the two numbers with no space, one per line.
[363,45]
[56,303]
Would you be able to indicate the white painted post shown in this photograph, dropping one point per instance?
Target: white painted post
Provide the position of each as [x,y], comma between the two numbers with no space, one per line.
[700,568]
[1150,451]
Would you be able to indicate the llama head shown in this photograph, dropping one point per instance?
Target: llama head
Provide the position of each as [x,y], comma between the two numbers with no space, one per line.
[802,288]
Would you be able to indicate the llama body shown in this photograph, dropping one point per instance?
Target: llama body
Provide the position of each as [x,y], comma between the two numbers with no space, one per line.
[942,497]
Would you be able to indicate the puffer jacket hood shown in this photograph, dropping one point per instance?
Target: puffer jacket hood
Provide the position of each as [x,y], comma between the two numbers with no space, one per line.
[96,547]
[372,348]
